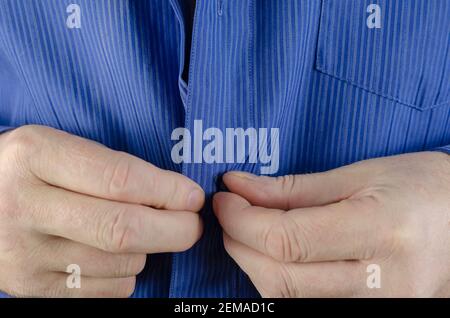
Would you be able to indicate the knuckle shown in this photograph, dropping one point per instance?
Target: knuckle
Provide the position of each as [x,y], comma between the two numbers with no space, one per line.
[404,237]
[395,233]
[117,177]
[292,185]
[19,146]
[23,136]
[284,242]
[399,234]
[119,234]
[22,150]
[288,184]
[24,140]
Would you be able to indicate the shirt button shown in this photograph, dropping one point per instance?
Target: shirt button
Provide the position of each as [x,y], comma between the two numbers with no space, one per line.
[220,186]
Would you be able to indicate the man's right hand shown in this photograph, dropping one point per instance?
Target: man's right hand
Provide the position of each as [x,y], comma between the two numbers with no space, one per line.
[67,200]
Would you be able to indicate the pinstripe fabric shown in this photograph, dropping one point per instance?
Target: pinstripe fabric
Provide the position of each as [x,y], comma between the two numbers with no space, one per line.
[338,91]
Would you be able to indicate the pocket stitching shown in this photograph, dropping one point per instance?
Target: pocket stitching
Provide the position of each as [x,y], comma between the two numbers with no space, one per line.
[322,70]
[320,66]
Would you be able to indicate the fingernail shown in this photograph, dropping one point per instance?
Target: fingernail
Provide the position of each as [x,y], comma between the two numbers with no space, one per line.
[244,175]
[195,200]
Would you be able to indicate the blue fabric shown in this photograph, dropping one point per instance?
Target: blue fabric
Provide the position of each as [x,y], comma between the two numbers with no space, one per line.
[338,91]
[4,129]
[445,149]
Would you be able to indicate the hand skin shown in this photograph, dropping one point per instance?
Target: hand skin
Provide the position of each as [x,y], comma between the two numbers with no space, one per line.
[314,235]
[67,200]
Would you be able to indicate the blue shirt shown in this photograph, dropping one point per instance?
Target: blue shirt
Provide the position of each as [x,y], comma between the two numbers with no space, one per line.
[341,83]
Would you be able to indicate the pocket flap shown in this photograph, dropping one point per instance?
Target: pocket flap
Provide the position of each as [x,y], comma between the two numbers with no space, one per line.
[405,58]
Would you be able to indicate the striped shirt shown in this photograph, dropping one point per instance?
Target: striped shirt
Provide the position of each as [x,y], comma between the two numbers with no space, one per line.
[341,80]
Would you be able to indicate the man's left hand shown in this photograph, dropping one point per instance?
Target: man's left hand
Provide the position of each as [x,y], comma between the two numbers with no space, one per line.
[315,235]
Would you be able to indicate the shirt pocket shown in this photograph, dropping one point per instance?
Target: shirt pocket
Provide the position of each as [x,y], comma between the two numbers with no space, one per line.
[406,59]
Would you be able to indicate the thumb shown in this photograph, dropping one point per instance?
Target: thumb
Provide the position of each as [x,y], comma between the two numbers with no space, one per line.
[296,191]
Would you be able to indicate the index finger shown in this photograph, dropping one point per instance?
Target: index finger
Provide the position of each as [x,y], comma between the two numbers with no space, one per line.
[111,226]
[86,167]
